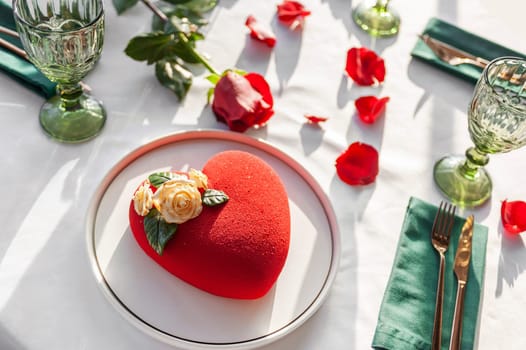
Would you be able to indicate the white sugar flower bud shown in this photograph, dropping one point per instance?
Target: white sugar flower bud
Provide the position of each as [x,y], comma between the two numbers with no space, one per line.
[143,199]
[201,180]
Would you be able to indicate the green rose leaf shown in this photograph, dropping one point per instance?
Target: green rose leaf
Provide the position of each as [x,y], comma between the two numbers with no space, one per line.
[123,5]
[174,76]
[213,78]
[151,47]
[157,179]
[181,50]
[195,5]
[178,13]
[182,24]
[158,231]
[173,40]
[213,197]
[179,2]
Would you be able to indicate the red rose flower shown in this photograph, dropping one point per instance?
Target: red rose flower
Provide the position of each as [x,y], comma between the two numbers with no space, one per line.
[313,119]
[242,101]
[513,216]
[292,13]
[358,165]
[369,108]
[259,32]
[364,66]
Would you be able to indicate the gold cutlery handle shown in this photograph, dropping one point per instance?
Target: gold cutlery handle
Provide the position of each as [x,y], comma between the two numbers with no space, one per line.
[456,333]
[7,31]
[480,62]
[6,44]
[437,324]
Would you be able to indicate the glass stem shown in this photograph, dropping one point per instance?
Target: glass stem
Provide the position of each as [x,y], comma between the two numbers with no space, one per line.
[69,95]
[474,160]
[381,5]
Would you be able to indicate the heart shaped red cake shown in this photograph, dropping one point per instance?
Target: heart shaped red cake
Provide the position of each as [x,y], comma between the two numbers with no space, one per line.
[236,249]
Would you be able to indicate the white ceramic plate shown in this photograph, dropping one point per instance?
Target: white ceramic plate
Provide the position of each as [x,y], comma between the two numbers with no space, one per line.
[177,313]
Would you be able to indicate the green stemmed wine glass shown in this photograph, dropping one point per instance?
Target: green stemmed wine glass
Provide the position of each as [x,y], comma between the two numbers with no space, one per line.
[63,39]
[377,18]
[497,124]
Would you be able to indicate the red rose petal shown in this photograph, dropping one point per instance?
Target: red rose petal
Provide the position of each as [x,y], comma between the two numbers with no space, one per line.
[358,165]
[259,32]
[258,82]
[370,108]
[242,101]
[513,216]
[364,66]
[292,13]
[315,119]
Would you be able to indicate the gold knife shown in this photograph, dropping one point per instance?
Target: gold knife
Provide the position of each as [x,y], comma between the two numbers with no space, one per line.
[462,258]
[450,54]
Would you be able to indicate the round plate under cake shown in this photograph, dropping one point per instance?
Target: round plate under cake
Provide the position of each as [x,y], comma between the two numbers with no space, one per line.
[177,313]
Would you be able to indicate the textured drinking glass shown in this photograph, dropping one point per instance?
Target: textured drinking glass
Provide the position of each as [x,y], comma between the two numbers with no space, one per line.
[63,39]
[497,124]
[377,18]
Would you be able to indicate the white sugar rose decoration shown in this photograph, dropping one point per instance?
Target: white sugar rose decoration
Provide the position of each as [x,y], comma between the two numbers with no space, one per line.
[201,180]
[175,199]
[178,200]
[143,199]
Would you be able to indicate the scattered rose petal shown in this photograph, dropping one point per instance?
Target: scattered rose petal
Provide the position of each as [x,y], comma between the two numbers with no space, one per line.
[260,32]
[313,119]
[242,101]
[292,13]
[364,66]
[513,216]
[369,108]
[358,165]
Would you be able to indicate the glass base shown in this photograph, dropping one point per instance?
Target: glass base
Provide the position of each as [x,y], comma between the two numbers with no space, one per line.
[74,124]
[460,189]
[375,20]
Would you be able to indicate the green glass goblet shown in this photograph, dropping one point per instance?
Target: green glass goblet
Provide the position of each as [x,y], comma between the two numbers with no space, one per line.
[63,39]
[497,124]
[377,18]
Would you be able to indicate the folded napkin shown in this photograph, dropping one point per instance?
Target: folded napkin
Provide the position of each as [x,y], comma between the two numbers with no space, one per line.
[17,67]
[406,315]
[464,41]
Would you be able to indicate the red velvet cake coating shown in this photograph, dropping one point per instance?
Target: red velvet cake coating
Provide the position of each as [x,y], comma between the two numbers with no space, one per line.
[236,249]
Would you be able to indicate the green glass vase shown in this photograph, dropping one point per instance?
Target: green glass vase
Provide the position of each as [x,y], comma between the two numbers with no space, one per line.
[377,18]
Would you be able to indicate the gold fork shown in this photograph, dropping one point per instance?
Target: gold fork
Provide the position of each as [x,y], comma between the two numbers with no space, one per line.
[450,54]
[440,234]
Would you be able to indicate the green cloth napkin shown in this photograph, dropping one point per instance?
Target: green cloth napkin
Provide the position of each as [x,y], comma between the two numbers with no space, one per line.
[17,67]
[462,40]
[407,311]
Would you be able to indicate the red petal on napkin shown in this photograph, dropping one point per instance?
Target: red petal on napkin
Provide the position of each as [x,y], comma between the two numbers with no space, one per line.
[242,101]
[358,165]
[292,13]
[313,119]
[364,66]
[370,108]
[260,32]
[513,216]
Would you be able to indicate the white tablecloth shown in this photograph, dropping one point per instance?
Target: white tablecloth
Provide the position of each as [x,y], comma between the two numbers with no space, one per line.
[49,298]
